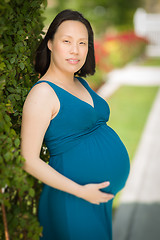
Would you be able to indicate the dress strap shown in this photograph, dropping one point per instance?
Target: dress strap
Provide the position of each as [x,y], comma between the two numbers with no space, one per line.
[56,89]
[84,82]
[53,86]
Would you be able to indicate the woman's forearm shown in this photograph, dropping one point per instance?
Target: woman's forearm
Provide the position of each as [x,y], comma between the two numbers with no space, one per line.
[48,175]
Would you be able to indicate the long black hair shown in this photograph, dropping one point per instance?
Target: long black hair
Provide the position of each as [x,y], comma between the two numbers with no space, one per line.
[42,57]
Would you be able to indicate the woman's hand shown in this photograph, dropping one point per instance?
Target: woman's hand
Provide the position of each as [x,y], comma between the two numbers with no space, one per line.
[92,193]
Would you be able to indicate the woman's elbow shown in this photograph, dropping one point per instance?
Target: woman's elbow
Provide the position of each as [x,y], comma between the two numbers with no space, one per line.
[26,163]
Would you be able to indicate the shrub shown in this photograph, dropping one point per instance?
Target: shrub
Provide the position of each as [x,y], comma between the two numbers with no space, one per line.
[20,31]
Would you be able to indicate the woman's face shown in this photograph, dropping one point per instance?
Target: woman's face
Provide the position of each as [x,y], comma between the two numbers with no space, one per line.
[69,46]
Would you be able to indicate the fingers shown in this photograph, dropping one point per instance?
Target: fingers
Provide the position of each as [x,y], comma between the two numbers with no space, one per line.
[93,194]
[104,198]
[108,196]
[103,185]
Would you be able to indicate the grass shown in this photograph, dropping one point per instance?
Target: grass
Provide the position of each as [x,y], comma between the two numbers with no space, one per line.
[130,106]
[152,62]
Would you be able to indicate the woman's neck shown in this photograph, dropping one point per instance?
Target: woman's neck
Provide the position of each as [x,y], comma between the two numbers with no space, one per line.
[57,76]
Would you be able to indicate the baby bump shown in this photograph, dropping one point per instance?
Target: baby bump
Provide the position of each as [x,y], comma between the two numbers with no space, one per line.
[96,158]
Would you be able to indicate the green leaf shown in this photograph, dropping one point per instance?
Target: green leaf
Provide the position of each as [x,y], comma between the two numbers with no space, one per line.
[21,65]
[2,66]
[16,114]
[17,96]
[18,90]
[20,32]
[9,66]
[11,89]
[1,46]
[31,192]
[7,156]
[7,118]
[17,142]
[1,159]
[12,60]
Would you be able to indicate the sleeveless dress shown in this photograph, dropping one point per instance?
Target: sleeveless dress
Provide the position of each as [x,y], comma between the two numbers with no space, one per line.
[85,149]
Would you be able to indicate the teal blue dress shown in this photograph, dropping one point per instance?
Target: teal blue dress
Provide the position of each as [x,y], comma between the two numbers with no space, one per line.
[85,149]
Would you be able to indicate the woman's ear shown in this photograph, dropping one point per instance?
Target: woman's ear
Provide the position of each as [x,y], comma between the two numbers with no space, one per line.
[49,45]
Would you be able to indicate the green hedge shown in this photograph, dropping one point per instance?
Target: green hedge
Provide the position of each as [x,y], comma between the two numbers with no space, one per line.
[21,25]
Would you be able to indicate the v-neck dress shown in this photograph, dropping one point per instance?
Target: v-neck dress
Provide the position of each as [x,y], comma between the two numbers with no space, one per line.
[86,150]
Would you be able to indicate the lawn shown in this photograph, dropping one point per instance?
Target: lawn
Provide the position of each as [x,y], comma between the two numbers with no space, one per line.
[130,106]
[155,62]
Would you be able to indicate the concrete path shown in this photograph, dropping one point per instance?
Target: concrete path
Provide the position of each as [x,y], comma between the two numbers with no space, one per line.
[136,75]
[138,216]
[130,75]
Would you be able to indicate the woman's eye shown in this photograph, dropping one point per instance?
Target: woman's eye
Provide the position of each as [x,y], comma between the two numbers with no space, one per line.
[66,41]
[83,43]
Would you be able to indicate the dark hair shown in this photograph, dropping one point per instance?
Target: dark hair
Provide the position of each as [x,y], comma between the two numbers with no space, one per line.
[42,58]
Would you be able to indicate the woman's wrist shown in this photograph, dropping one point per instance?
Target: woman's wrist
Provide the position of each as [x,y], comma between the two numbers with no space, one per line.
[79,191]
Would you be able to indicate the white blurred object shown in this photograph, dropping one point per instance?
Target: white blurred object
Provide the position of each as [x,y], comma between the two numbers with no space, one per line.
[148,25]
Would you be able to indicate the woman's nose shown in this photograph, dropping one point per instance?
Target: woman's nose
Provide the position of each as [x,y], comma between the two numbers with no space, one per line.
[74,48]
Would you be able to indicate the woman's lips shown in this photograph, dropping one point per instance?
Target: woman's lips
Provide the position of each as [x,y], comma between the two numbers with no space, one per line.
[73,61]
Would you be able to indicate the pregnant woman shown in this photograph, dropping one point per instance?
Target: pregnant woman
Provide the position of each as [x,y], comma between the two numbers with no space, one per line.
[88,162]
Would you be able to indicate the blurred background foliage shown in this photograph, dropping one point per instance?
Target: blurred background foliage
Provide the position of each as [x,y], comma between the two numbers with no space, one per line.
[101,13]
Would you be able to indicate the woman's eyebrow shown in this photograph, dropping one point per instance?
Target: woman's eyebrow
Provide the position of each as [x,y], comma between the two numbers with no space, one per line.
[84,38]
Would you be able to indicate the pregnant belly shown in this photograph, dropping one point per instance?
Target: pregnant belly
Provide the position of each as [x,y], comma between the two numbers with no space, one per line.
[98,157]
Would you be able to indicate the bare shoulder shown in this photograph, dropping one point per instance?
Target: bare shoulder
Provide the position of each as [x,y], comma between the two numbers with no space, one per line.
[42,89]
[43,95]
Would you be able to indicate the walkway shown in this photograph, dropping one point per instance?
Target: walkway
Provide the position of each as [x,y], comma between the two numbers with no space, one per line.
[138,216]
[130,75]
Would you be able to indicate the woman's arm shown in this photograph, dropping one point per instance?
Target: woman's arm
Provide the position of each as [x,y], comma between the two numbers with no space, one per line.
[36,116]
